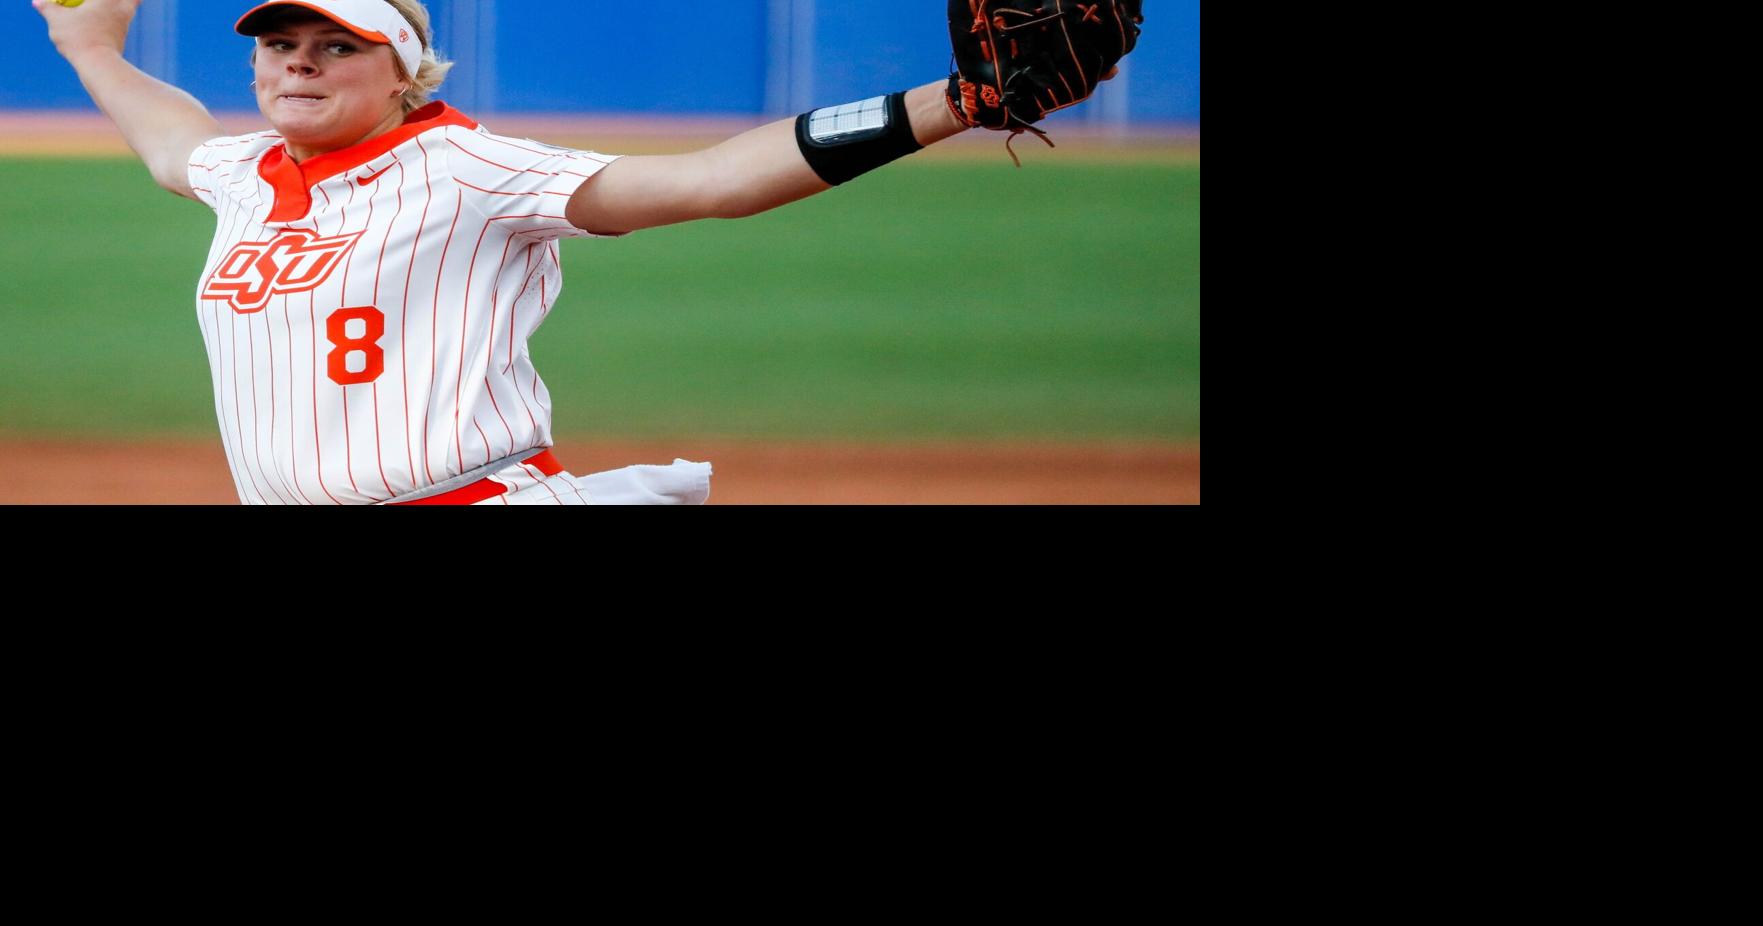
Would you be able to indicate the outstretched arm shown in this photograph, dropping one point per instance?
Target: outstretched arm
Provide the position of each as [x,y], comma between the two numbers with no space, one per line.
[160,122]
[750,173]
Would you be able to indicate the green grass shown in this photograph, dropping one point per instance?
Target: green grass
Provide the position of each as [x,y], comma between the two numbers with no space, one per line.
[1061,301]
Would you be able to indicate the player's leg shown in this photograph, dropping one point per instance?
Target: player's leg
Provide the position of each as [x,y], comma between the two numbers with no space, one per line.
[682,483]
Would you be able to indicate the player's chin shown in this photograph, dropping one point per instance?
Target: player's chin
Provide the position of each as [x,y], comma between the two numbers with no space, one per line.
[298,119]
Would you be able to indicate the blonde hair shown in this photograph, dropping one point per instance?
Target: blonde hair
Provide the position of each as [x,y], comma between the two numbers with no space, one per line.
[433,70]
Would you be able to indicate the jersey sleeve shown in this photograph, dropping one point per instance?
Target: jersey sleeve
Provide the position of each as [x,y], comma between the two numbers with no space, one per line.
[521,182]
[218,165]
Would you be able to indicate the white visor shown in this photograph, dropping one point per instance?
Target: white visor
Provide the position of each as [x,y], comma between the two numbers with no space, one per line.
[373,20]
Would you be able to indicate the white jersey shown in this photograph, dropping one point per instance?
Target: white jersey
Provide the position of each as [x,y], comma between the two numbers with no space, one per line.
[367,312]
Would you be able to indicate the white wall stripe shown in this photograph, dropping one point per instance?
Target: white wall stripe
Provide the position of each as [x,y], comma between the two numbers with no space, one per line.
[789,56]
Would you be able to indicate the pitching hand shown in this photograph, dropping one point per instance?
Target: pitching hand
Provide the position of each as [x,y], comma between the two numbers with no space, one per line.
[101,25]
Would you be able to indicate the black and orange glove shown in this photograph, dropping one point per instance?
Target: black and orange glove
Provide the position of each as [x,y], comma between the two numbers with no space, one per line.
[1018,60]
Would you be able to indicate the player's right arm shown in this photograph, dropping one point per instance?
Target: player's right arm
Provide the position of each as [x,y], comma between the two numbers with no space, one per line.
[162,123]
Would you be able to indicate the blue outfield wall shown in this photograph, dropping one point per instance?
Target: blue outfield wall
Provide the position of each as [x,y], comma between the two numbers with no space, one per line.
[733,57]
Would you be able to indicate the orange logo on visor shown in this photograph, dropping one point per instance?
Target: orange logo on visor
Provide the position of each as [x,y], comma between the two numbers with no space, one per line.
[295,262]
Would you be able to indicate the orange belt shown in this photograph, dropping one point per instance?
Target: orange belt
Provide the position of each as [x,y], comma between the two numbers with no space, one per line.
[486,487]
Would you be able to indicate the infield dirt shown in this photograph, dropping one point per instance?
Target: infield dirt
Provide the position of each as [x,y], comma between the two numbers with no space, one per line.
[747,473]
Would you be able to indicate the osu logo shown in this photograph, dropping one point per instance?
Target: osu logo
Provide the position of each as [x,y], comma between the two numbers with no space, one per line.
[296,262]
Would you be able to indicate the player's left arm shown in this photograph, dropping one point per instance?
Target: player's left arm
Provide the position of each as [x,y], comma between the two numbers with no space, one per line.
[750,173]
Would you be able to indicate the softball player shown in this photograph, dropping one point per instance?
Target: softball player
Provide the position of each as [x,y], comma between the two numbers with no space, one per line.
[380,260]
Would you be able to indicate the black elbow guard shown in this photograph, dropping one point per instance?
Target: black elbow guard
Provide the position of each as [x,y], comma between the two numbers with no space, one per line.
[842,142]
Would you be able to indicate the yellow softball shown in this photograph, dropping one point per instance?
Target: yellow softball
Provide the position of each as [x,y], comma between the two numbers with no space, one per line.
[70,2]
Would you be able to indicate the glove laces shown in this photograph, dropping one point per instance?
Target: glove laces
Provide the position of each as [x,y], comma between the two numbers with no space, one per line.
[1025,127]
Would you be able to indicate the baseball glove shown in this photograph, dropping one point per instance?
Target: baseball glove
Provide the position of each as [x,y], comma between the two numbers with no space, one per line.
[1018,60]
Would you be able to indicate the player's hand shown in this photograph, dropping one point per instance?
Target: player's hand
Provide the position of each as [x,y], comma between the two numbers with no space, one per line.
[96,25]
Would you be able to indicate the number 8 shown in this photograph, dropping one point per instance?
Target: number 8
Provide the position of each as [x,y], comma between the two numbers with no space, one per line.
[336,327]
